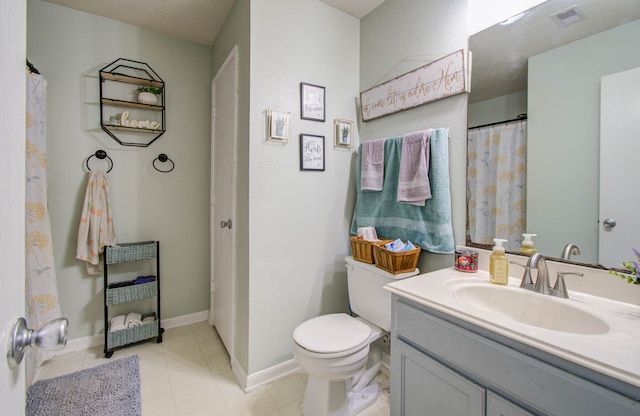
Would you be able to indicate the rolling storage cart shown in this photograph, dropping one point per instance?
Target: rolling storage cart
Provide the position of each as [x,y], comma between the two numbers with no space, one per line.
[124,292]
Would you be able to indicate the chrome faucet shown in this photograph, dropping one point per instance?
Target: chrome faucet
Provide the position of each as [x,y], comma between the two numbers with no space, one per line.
[537,261]
[542,284]
[570,249]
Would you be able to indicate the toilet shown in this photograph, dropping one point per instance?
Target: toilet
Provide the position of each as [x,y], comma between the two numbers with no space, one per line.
[336,351]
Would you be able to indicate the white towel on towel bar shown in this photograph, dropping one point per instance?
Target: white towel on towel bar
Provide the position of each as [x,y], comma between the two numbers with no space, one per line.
[413,179]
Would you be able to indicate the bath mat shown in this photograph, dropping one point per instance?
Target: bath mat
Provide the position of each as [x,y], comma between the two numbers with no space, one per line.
[108,389]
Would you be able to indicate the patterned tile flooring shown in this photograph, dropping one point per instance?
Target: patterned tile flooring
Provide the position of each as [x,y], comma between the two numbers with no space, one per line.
[189,374]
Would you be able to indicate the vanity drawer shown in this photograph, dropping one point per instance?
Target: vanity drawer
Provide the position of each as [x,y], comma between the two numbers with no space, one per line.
[526,381]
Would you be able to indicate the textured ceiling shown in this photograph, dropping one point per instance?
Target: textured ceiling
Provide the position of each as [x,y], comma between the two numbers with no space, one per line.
[197,21]
[501,52]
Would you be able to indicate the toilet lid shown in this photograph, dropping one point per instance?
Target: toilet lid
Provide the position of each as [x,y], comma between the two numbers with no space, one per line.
[331,333]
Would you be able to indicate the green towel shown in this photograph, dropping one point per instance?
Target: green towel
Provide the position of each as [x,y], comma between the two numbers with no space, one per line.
[428,226]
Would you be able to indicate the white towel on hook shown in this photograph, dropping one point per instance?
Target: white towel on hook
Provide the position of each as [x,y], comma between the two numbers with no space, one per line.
[96,223]
[372,165]
[413,179]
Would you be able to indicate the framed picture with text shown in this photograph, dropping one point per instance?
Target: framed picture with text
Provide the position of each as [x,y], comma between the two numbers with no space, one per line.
[311,152]
[312,102]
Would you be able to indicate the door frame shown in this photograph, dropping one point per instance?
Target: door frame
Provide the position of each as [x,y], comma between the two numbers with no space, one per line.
[231,60]
[13,17]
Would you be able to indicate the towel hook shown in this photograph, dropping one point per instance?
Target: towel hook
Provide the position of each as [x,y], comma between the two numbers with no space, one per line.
[100,154]
[163,158]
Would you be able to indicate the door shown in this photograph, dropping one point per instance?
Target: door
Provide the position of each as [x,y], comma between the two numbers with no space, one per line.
[12,147]
[619,150]
[223,195]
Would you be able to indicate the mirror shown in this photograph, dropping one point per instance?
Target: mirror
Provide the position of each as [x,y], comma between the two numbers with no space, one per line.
[562,171]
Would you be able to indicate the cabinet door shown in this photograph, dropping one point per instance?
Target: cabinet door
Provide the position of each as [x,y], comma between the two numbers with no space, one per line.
[424,387]
[499,406]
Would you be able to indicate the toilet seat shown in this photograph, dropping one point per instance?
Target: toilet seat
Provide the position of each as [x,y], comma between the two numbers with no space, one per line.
[333,334]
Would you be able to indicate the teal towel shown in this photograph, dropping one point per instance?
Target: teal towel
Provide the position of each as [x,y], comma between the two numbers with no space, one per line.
[428,226]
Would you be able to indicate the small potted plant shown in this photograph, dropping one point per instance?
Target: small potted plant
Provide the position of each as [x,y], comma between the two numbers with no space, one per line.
[148,95]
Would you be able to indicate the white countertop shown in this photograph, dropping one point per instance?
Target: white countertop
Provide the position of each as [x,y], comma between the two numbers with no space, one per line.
[615,353]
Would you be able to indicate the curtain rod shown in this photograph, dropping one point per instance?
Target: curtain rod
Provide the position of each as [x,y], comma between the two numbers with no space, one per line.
[521,117]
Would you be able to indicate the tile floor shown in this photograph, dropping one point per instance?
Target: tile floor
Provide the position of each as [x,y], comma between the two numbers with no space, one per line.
[189,374]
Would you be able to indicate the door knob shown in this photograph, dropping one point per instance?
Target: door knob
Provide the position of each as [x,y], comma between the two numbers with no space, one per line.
[609,223]
[52,336]
[224,224]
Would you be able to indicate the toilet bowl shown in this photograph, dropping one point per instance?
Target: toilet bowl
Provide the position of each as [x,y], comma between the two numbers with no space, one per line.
[336,350]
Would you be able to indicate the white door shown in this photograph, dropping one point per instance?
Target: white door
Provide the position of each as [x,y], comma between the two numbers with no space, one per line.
[619,150]
[12,157]
[223,195]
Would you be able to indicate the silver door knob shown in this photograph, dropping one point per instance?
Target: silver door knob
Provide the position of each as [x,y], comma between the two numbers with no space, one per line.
[609,223]
[52,336]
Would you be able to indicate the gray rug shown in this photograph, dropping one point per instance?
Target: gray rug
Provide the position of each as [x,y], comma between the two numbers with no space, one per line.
[108,389]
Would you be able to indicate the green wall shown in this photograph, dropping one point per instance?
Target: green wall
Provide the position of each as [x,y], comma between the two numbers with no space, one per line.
[69,48]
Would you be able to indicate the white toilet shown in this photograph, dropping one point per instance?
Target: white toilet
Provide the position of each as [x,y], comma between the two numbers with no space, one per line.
[335,350]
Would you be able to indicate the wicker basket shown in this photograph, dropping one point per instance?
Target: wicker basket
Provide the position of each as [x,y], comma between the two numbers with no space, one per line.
[130,293]
[363,249]
[131,252]
[135,334]
[396,262]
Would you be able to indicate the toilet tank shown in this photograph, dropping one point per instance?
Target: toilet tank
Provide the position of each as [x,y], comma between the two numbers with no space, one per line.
[367,295]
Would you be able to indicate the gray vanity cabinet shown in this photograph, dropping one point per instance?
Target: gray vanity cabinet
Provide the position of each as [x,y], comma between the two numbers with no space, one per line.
[442,366]
[429,388]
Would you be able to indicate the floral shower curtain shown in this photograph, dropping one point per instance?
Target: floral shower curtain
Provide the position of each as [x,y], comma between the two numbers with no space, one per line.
[41,289]
[496,183]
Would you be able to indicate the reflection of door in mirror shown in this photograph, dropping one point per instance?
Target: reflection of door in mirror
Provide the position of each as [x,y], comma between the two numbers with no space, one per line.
[563,130]
[619,150]
[564,138]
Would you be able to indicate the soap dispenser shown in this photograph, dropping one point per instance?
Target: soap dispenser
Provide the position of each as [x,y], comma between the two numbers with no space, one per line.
[498,263]
[527,244]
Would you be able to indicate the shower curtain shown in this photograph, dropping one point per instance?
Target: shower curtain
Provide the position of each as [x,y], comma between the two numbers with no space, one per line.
[496,183]
[41,289]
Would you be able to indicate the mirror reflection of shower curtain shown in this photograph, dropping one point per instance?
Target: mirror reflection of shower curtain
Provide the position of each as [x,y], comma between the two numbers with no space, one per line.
[41,288]
[496,183]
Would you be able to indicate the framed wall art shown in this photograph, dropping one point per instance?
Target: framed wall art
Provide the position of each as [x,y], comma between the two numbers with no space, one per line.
[311,152]
[312,102]
[277,126]
[343,132]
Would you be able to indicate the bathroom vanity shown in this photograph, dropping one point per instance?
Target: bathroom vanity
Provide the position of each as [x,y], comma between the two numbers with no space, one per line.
[461,346]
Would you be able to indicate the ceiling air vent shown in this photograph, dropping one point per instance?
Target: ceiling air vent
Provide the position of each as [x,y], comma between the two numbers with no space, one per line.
[568,16]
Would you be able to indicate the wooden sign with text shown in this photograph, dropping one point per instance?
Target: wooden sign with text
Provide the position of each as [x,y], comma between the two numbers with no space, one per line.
[434,81]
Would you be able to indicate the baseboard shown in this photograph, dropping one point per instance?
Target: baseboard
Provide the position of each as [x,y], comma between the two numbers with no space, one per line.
[84,343]
[251,382]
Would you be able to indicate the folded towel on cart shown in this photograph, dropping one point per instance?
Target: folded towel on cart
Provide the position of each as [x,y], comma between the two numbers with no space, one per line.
[133,319]
[117,323]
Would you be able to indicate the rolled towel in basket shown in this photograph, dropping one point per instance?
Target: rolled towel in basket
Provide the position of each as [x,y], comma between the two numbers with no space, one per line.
[117,323]
[148,319]
[133,319]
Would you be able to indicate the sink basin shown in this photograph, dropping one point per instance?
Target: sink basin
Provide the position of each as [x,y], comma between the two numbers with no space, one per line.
[542,311]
